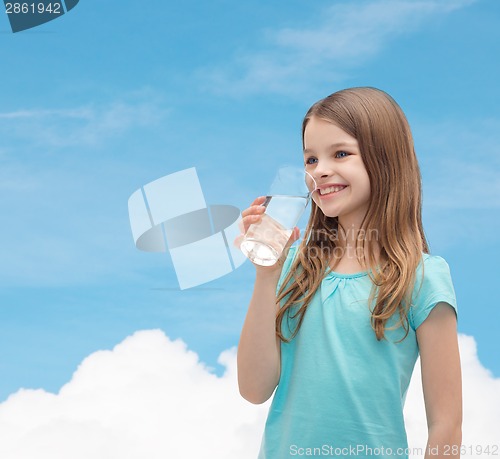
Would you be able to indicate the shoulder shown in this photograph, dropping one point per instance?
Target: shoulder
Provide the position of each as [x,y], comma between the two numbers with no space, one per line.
[434,261]
[433,284]
[433,274]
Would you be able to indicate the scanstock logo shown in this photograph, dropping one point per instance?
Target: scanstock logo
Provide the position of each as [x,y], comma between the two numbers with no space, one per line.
[29,14]
[171,214]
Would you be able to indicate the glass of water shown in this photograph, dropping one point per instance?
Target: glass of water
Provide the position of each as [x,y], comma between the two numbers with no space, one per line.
[286,201]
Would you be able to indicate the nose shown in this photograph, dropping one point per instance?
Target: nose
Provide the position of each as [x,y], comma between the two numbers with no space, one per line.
[322,170]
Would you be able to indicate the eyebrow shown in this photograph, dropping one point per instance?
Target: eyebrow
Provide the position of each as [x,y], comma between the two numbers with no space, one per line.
[334,146]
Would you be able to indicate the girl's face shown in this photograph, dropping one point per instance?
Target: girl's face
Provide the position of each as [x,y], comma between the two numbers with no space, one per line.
[333,158]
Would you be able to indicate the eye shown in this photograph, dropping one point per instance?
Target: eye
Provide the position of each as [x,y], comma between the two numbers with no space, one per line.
[341,153]
[310,160]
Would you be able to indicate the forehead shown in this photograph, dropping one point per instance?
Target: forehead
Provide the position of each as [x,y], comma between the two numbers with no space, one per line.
[320,133]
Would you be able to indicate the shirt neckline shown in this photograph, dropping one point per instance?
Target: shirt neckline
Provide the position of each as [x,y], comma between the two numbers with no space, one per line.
[330,273]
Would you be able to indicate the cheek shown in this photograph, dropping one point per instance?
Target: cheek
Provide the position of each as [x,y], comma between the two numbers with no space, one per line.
[316,199]
[362,179]
[367,188]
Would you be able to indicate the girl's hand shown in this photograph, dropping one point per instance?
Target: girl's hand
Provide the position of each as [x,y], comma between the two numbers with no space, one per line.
[253,214]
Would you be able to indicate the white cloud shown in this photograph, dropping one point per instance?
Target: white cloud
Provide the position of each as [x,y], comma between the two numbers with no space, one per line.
[151,397]
[343,37]
[86,125]
[481,404]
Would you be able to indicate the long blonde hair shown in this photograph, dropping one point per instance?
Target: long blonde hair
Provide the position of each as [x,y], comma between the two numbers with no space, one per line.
[385,141]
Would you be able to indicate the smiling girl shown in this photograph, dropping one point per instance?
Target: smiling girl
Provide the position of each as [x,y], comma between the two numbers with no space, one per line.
[335,327]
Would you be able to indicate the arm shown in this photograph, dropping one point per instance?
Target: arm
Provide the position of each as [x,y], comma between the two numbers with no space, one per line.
[441,382]
[259,348]
[258,358]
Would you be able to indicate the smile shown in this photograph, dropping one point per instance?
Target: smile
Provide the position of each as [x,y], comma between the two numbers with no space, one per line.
[331,191]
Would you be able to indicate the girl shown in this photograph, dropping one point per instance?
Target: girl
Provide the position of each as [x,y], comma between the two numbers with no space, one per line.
[337,324]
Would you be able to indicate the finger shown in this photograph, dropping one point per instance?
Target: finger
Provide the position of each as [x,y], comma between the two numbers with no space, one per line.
[238,240]
[253,211]
[257,209]
[245,222]
[258,201]
[241,226]
[250,220]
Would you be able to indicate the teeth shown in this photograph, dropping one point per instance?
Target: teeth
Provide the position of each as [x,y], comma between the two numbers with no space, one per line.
[330,189]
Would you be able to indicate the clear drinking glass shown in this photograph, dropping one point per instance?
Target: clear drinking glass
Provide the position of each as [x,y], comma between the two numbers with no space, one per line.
[286,201]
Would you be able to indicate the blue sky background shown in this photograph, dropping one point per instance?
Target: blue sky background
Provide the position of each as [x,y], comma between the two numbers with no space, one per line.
[116,94]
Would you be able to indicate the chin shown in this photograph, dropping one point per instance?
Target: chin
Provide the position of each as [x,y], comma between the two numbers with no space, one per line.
[329,213]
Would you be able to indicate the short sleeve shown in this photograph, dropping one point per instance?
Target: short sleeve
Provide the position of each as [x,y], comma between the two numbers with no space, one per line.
[436,286]
[286,266]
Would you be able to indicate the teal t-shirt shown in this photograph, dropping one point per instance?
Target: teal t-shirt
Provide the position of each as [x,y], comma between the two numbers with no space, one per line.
[341,392]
